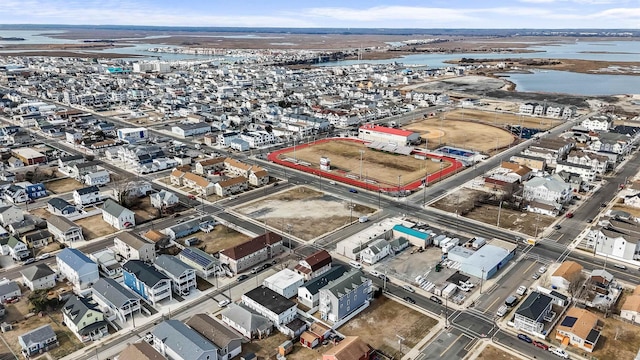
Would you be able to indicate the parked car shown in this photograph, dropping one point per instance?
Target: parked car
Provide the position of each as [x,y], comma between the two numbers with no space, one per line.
[148,337]
[435,299]
[353,191]
[408,288]
[29,261]
[535,276]
[557,227]
[559,352]
[521,290]
[191,196]
[525,338]
[223,303]
[266,266]
[542,270]
[43,256]
[243,277]
[11,300]
[409,300]
[569,215]
[332,182]
[542,346]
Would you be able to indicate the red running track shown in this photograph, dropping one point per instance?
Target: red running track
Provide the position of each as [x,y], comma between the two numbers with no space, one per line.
[437,176]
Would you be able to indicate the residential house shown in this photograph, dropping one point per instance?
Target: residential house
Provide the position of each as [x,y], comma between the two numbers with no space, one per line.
[228,342]
[204,264]
[544,207]
[183,277]
[130,246]
[231,186]
[268,303]
[17,249]
[16,194]
[8,290]
[64,230]
[161,240]
[146,281]
[35,191]
[599,163]
[568,273]
[585,172]
[259,178]
[87,195]
[535,163]
[315,335]
[547,188]
[84,319]
[351,348]
[117,215]
[37,341]
[285,282]
[24,226]
[38,277]
[164,200]
[140,351]
[246,321]
[309,292]
[79,170]
[375,251]
[77,268]
[10,214]
[207,166]
[252,252]
[314,265]
[97,178]
[204,224]
[533,312]
[341,297]
[579,328]
[631,307]
[196,182]
[177,341]
[115,299]
[617,238]
[60,206]
[37,239]
[107,263]
[600,122]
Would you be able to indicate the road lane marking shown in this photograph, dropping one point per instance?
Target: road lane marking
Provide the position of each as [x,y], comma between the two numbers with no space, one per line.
[451,345]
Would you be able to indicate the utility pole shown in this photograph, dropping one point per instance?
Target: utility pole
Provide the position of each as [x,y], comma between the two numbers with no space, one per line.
[481,281]
[361,153]
[499,210]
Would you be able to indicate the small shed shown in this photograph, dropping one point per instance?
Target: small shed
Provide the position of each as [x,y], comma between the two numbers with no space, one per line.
[285,348]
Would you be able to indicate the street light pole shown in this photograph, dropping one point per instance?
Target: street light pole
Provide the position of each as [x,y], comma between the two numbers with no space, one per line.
[499,210]
[361,153]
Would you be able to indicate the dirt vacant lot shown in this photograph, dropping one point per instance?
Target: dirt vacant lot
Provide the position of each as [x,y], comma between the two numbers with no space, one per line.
[266,348]
[463,202]
[303,212]
[63,185]
[220,238]
[500,119]
[618,340]
[462,134]
[144,211]
[493,353]
[94,227]
[382,167]
[379,324]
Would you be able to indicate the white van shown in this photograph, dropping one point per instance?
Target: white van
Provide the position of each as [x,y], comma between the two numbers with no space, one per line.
[374,273]
[355,264]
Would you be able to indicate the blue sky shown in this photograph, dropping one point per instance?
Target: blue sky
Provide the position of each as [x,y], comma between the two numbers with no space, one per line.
[329,13]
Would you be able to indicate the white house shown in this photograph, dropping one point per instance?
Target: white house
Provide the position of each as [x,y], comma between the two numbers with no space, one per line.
[97,178]
[87,195]
[631,307]
[115,299]
[117,215]
[183,277]
[133,135]
[130,246]
[548,188]
[285,282]
[271,305]
[38,277]
[376,251]
[77,268]
[600,122]
[64,230]
[533,312]
[164,199]
[10,214]
[567,273]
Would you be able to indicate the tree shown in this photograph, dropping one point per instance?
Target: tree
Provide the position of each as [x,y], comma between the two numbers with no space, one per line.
[40,301]
[576,282]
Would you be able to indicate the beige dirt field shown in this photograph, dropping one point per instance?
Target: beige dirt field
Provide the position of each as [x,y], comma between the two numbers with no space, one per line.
[144,210]
[379,324]
[41,212]
[219,239]
[462,134]
[630,209]
[493,353]
[303,212]
[63,185]
[501,118]
[265,348]
[94,227]
[17,315]
[463,201]
[379,166]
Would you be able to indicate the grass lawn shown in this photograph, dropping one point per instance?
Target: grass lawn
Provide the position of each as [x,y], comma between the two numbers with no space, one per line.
[493,353]
[220,238]
[63,185]
[379,324]
[94,227]
[381,167]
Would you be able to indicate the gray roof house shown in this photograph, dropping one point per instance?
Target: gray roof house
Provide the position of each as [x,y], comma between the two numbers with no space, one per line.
[245,321]
[60,206]
[8,290]
[117,215]
[77,268]
[204,264]
[84,319]
[532,313]
[38,277]
[38,341]
[309,292]
[228,342]
[115,299]
[174,339]
[183,276]
[63,229]
[349,293]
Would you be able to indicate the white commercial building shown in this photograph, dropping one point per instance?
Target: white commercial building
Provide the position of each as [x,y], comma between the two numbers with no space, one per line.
[133,135]
[285,283]
[376,133]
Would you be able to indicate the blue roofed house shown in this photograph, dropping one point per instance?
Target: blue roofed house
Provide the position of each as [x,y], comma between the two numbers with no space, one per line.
[83,317]
[414,236]
[115,300]
[60,206]
[37,341]
[533,312]
[349,293]
[205,264]
[146,281]
[117,215]
[35,191]
[77,268]
[177,341]
[183,276]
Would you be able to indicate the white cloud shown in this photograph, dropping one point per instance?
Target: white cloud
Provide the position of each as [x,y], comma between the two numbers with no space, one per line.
[389,13]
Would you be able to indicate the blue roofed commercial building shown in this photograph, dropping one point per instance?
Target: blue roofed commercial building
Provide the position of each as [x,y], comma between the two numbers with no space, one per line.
[415,237]
[485,262]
